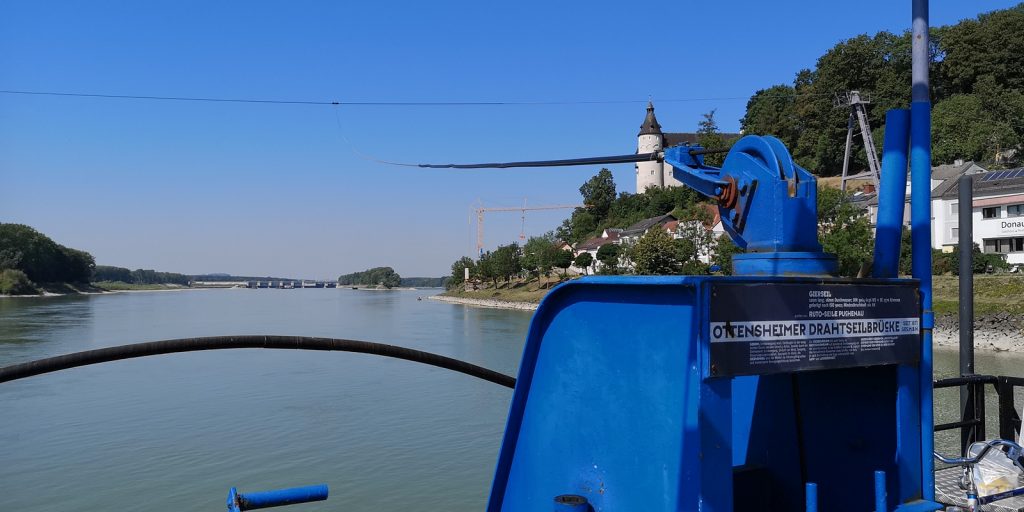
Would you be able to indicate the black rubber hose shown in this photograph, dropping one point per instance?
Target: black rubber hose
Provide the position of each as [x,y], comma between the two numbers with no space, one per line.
[153,348]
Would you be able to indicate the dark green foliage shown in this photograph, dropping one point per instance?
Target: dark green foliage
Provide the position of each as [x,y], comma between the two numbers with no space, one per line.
[562,260]
[377,276]
[108,273]
[844,230]
[15,282]
[906,265]
[425,282]
[655,253]
[458,275]
[977,84]
[539,254]
[709,137]
[598,193]
[623,211]
[147,276]
[608,255]
[503,263]
[980,262]
[583,261]
[40,258]
[723,252]
[949,262]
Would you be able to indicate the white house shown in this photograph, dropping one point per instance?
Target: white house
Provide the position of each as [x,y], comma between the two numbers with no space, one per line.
[997,209]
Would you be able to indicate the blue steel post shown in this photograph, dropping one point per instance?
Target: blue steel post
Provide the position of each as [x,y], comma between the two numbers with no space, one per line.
[880,494]
[812,497]
[920,200]
[892,194]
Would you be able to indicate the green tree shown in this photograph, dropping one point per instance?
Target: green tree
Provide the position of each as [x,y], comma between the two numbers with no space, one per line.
[723,252]
[772,111]
[608,255]
[583,261]
[562,260]
[709,137]
[507,261]
[486,268]
[844,230]
[458,275]
[538,254]
[598,193]
[655,254]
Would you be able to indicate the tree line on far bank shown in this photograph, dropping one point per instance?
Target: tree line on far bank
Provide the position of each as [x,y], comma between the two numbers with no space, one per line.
[29,259]
[138,276]
[377,276]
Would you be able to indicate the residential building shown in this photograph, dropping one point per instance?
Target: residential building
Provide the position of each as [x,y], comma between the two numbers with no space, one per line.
[997,208]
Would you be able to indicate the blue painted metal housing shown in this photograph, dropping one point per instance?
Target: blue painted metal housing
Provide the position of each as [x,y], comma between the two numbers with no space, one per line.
[767,203]
[616,402]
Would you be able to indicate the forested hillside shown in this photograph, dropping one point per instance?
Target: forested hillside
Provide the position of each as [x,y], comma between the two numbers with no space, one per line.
[977,79]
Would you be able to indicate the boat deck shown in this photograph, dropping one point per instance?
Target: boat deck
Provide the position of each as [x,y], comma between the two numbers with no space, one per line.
[947,491]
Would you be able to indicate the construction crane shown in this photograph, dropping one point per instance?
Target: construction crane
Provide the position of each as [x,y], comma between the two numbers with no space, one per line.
[855,101]
[481,210]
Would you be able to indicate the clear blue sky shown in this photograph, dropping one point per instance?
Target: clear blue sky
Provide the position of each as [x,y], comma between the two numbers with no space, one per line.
[276,189]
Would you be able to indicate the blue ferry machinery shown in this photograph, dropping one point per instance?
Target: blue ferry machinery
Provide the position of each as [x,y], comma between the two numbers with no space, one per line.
[779,388]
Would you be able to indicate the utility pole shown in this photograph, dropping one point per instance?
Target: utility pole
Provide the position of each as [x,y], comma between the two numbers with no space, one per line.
[855,101]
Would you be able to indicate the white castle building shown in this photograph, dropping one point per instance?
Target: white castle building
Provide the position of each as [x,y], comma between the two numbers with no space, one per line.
[652,139]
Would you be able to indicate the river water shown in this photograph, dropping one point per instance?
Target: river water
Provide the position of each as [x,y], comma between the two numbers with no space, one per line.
[175,432]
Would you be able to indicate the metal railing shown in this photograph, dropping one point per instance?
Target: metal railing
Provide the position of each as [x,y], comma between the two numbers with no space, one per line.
[972,423]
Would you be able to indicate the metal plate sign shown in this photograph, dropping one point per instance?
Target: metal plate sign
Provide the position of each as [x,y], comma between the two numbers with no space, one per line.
[762,328]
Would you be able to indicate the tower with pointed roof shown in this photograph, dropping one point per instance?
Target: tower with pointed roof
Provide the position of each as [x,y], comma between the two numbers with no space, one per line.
[649,140]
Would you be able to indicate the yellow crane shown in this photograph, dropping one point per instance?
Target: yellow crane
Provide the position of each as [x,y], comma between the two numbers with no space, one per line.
[480,210]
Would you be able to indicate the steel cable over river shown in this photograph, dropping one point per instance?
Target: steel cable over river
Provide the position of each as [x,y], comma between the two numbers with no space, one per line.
[153,348]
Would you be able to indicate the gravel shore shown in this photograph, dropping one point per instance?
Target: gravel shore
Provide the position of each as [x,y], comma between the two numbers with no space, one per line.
[486,303]
[1000,332]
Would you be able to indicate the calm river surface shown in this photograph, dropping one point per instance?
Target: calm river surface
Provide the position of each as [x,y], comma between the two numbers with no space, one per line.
[175,432]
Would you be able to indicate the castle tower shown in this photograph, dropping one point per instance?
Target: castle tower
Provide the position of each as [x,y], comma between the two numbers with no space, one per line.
[649,140]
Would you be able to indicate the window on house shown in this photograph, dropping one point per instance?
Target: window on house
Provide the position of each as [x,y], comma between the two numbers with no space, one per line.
[1015,210]
[953,208]
[954,233]
[1017,245]
[989,245]
[992,212]
[1004,245]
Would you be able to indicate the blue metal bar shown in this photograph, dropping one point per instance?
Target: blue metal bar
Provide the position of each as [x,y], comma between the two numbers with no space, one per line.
[892,195]
[812,497]
[880,494]
[920,212]
[280,497]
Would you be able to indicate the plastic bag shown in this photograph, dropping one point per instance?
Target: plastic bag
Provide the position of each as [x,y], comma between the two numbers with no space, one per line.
[995,472]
